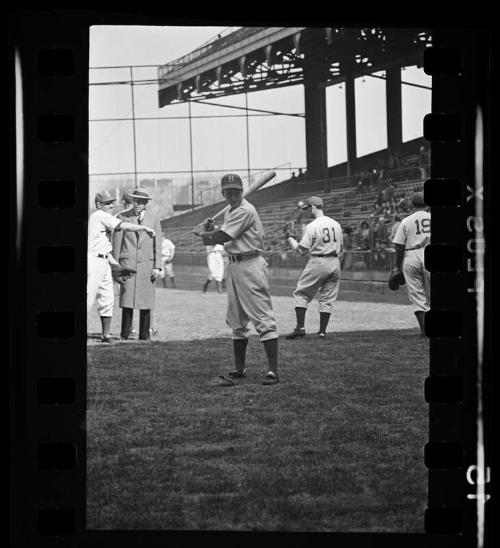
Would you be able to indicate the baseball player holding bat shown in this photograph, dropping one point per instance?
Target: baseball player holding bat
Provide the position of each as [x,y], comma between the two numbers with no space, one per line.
[248,296]
[322,239]
[411,237]
[101,263]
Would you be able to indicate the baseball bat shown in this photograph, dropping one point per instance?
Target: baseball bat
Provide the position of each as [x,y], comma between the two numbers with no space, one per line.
[260,182]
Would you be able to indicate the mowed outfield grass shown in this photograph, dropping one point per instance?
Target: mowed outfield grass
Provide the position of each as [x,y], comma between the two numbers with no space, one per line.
[336,446]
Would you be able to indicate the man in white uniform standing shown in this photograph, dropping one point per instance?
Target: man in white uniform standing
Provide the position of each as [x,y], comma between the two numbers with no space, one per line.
[215,264]
[322,239]
[411,237]
[100,261]
[167,257]
[248,296]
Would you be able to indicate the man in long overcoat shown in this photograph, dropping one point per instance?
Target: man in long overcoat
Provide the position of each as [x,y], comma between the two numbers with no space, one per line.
[142,253]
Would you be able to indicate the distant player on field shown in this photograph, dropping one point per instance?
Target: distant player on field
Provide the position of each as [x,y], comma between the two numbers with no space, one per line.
[322,239]
[412,235]
[215,264]
[167,257]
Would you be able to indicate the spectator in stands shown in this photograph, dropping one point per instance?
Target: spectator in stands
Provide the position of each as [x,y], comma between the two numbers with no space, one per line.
[423,160]
[293,175]
[301,173]
[346,259]
[388,193]
[381,238]
[360,187]
[363,237]
[394,227]
[381,235]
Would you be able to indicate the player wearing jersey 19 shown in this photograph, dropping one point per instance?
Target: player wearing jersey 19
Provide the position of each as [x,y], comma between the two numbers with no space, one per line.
[322,239]
[411,237]
[248,296]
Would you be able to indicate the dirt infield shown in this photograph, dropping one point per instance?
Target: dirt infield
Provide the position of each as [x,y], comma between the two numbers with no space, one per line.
[182,315]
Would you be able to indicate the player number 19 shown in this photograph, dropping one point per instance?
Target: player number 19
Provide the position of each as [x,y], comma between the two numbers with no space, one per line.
[423,228]
[326,235]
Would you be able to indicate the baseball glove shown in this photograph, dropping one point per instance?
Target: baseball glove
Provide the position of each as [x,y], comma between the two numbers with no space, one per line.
[396,279]
[121,275]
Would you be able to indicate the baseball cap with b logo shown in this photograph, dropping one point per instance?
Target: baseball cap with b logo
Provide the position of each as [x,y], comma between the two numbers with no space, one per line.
[231,180]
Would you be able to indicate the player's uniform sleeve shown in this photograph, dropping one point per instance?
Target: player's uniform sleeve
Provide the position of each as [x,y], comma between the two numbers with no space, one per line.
[158,242]
[117,240]
[237,222]
[110,221]
[307,239]
[401,235]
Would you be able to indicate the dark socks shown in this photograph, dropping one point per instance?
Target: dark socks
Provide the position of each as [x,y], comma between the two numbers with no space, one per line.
[239,349]
[205,285]
[271,348]
[420,314]
[300,312]
[106,325]
[324,318]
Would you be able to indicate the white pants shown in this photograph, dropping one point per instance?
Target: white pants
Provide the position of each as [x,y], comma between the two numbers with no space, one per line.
[167,270]
[321,276]
[215,266]
[417,279]
[249,300]
[100,285]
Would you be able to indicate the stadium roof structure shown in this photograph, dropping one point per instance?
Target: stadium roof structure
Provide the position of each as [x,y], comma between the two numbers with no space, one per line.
[256,58]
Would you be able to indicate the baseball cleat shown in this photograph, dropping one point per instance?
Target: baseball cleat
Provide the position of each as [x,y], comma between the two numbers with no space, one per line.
[105,339]
[321,335]
[237,375]
[296,333]
[270,379]
[153,331]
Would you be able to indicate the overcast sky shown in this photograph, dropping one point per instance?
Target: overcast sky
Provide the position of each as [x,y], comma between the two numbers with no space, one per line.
[219,143]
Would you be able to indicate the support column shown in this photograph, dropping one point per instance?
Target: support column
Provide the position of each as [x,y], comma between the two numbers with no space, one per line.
[394,110]
[350,113]
[315,111]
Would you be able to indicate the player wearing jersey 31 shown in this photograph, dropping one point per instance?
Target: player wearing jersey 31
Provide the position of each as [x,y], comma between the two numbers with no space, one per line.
[322,239]
[411,237]
[248,297]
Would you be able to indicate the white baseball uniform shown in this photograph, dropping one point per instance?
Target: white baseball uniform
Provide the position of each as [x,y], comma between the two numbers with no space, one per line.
[414,233]
[321,275]
[99,279]
[167,254]
[215,262]
[248,296]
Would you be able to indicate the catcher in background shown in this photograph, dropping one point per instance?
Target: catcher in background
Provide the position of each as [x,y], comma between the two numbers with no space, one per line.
[248,296]
[412,235]
[215,264]
[322,239]
[167,257]
[102,267]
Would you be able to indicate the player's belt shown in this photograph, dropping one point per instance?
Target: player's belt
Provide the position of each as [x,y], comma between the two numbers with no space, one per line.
[238,258]
[100,256]
[416,247]
[334,254]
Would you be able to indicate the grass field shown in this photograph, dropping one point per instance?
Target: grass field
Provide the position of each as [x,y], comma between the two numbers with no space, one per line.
[336,446]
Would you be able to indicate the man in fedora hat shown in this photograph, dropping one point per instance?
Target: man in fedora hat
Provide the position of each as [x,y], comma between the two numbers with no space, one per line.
[144,255]
[100,261]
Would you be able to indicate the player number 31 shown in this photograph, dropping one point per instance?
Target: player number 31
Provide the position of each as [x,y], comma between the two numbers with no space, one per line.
[326,235]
